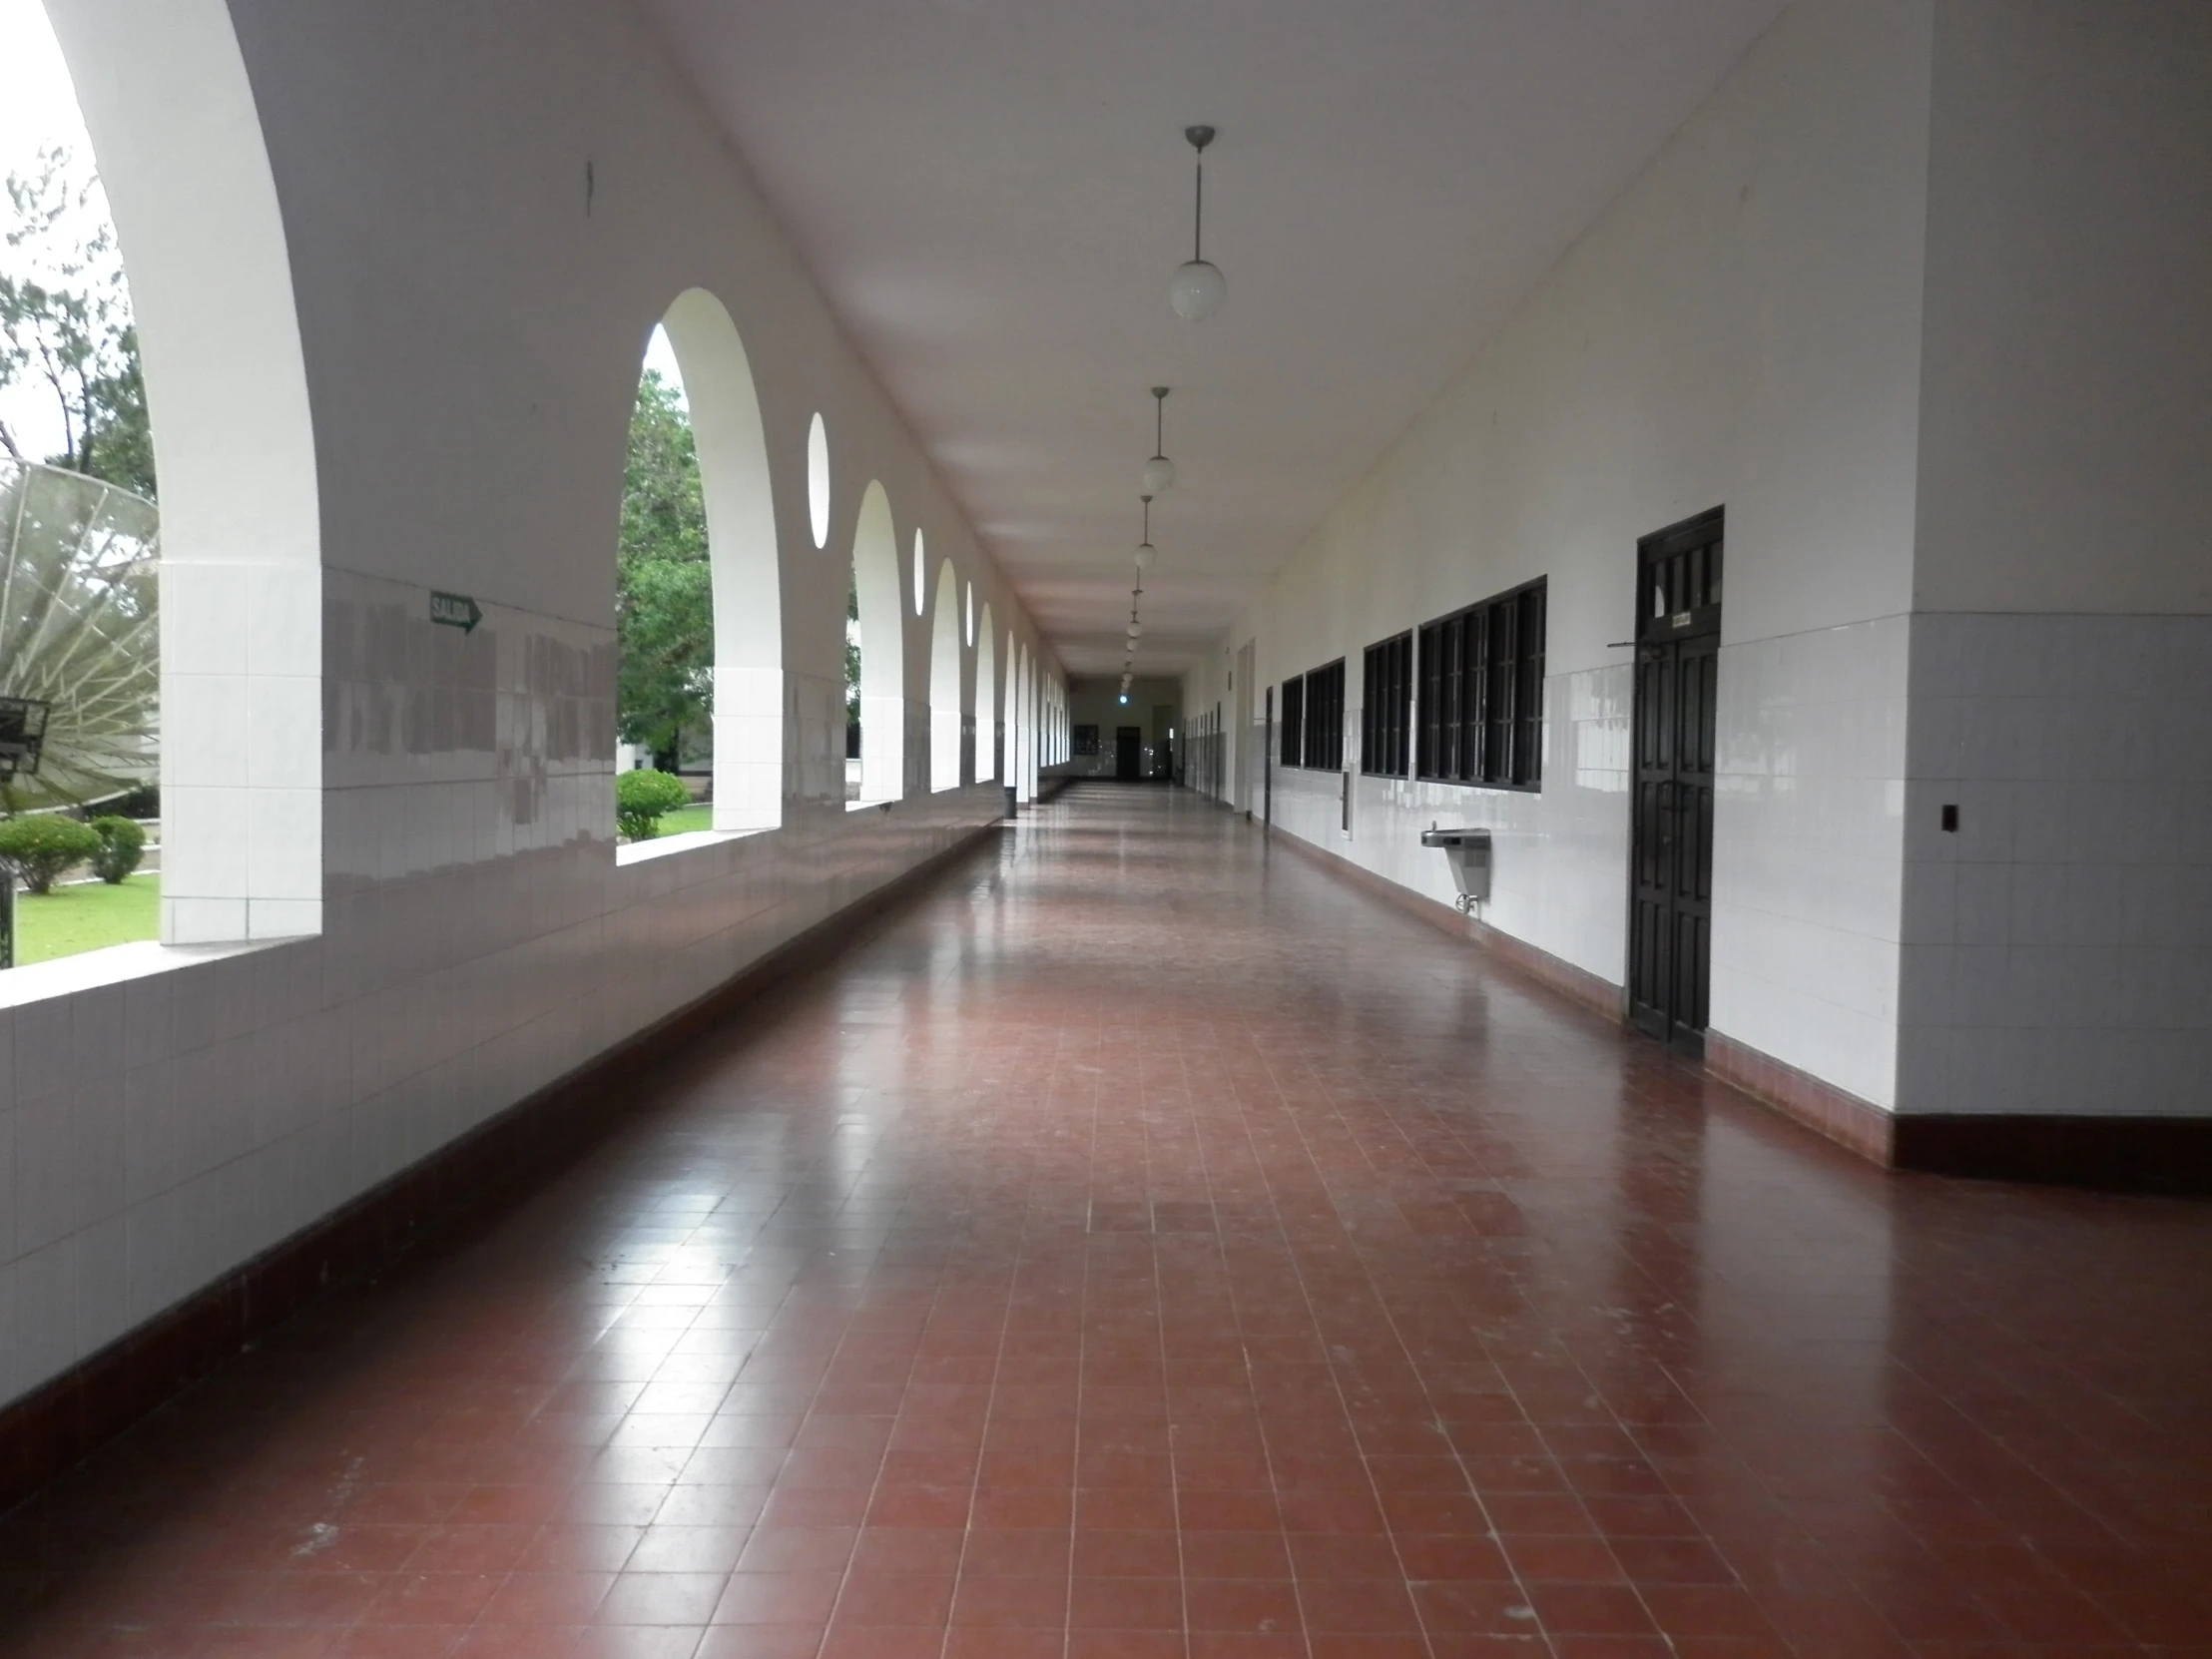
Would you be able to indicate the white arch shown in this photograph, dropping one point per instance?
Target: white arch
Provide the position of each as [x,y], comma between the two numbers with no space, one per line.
[178,140]
[944,681]
[741,547]
[883,650]
[986,701]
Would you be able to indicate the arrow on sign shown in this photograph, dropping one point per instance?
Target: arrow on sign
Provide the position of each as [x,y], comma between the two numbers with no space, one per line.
[456,609]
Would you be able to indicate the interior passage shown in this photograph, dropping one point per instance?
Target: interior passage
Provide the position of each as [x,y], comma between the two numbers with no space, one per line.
[1146,1247]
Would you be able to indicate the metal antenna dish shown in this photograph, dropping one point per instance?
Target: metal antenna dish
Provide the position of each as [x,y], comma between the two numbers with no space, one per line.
[22,736]
[78,668]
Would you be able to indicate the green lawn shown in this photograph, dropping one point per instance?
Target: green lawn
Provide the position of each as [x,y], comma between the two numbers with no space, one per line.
[685,820]
[89,917]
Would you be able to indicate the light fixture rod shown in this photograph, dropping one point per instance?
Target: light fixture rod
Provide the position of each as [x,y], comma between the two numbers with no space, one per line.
[1200,137]
[1198,212]
[1159,420]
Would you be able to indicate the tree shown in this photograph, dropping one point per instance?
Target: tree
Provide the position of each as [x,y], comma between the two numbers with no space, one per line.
[664,589]
[65,322]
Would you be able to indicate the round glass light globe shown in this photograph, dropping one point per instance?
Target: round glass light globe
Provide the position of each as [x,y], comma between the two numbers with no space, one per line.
[1145,555]
[1197,290]
[1159,474]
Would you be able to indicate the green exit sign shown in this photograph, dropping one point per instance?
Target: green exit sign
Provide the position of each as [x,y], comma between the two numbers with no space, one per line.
[456,609]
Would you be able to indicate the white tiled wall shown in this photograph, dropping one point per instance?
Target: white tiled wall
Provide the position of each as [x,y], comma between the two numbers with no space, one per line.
[239,767]
[185,1109]
[1805,872]
[1559,856]
[1741,328]
[2058,945]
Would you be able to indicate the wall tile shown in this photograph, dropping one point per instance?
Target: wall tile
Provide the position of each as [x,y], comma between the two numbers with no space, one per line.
[2078,890]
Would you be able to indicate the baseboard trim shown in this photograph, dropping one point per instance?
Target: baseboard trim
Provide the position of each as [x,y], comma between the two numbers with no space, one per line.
[1810,1102]
[50,1430]
[2133,1155]
[1600,996]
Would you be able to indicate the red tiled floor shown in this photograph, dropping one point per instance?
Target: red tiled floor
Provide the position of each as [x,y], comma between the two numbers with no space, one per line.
[1149,1249]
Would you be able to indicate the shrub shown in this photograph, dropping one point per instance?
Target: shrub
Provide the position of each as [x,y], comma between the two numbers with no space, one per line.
[37,848]
[640,797]
[122,845]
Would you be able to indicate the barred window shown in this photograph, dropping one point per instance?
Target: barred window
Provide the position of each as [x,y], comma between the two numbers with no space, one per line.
[1480,676]
[1294,721]
[1387,706]
[1324,716]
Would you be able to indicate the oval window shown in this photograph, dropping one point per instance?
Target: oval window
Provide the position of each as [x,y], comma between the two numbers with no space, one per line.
[818,481]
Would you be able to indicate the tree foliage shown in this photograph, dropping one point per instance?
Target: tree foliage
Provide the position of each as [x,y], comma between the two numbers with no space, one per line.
[65,323]
[664,593]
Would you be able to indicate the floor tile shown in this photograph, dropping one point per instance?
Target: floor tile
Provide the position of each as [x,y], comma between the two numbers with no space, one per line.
[1145,1247]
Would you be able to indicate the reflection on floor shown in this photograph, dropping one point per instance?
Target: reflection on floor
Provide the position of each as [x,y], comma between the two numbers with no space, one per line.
[1149,1249]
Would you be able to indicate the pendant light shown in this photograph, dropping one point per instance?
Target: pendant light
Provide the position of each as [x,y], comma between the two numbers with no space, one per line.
[1159,472]
[1146,552]
[1198,287]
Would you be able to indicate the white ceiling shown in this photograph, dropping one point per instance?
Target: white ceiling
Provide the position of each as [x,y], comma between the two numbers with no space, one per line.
[993,194]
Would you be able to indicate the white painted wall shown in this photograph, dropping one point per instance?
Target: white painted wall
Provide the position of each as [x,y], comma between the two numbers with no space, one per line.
[2066,425]
[1093,701]
[1743,327]
[472,338]
[1968,552]
[2058,946]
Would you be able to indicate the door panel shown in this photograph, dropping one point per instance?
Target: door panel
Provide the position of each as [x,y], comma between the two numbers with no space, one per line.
[1677,681]
[1128,751]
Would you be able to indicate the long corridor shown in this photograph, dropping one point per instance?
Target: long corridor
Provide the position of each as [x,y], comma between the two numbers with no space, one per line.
[1147,1247]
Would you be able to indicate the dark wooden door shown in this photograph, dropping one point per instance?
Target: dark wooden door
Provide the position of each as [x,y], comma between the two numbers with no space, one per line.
[1128,750]
[1670,931]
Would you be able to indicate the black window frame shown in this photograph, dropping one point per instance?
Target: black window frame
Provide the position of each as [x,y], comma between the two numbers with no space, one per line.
[1387,706]
[1324,710]
[1292,724]
[1479,684]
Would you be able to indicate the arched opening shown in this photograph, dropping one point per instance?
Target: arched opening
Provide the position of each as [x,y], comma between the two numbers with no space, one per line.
[922,578]
[881,630]
[987,701]
[747,673]
[663,594]
[177,141]
[1017,763]
[944,681]
[1011,715]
